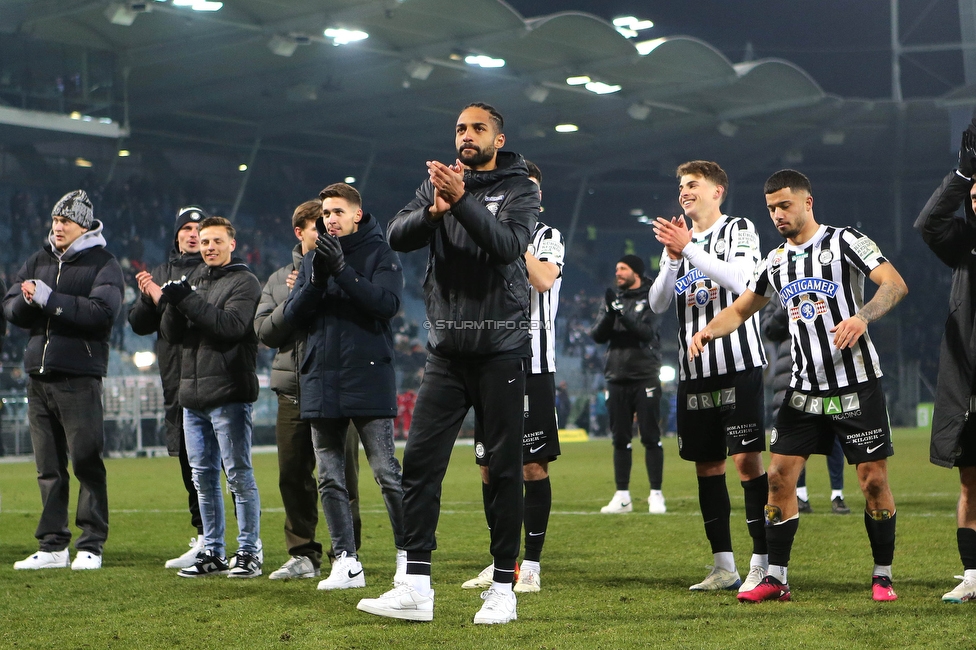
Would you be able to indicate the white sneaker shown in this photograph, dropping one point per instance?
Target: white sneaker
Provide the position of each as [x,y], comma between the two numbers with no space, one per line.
[298,566]
[483,581]
[347,573]
[755,576]
[655,503]
[528,581]
[965,591]
[45,560]
[86,560]
[499,607]
[189,558]
[717,580]
[403,601]
[401,566]
[619,504]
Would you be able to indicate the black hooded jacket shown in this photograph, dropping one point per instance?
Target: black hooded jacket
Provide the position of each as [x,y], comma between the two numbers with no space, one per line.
[476,288]
[70,333]
[634,351]
[348,366]
[144,317]
[215,327]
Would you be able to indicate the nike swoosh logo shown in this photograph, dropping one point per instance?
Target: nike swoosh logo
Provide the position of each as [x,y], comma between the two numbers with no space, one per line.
[752,521]
[353,575]
[871,450]
[710,521]
[532,450]
[749,442]
[537,534]
[511,380]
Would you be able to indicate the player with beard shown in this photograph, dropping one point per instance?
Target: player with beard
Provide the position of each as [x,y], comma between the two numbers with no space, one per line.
[818,275]
[632,372]
[475,218]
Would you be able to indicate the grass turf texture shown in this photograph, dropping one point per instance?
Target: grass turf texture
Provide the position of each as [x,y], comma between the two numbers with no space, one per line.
[611,581]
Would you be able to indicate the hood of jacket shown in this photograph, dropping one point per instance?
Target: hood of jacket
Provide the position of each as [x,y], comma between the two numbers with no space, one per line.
[507,164]
[90,239]
[236,264]
[636,292]
[297,256]
[369,233]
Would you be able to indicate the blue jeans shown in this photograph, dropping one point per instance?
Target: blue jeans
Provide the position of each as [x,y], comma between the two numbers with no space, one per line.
[329,440]
[224,434]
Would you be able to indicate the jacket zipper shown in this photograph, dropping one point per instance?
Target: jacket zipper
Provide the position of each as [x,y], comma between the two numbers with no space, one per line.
[47,329]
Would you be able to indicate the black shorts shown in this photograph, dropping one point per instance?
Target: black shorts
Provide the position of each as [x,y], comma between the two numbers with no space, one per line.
[540,435]
[721,416]
[808,422]
[967,445]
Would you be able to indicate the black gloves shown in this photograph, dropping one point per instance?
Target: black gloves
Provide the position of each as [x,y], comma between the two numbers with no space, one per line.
[612,302]
[329,247]
[176,290]
[967,150]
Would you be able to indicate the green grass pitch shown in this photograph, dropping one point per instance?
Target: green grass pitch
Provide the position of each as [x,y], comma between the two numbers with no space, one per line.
[609,581]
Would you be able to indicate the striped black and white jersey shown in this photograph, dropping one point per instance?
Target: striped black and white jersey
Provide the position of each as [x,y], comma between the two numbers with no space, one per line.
[820,284]
[694,284]
[547,246]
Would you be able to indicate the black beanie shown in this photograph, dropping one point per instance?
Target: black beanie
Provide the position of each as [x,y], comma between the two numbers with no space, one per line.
[184,216]
[635,263]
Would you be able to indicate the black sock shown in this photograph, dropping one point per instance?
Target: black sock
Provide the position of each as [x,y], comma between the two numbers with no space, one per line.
[779,539]
[538,503]
[418,563]
[966,539]
[654,460]
[621,467]
[713,499]
[756,493]
[881,534]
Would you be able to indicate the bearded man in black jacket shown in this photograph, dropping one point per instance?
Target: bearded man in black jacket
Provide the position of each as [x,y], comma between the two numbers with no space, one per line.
[68,295]
[476,219]
[144,317]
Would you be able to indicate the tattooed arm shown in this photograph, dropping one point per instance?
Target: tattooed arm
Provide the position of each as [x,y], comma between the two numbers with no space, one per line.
[891,289]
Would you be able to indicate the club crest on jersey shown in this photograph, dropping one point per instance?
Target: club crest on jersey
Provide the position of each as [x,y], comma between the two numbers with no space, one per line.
[720,247]
[807,285]
[700,295]
[479,450]
[687,280]
[639,307]
[808,310]
[492,208]
[825,257]
[773,436]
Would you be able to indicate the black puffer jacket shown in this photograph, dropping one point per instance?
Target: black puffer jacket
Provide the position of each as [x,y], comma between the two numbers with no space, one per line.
[277,333]
[144,317]
[70,333]
[634,353]
[476,289]
[953,240]
[215,326]
[348,367]
[776,329]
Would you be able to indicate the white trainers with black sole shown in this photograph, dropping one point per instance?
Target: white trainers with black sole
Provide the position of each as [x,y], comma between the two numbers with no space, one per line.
[45,560]
[403,602]
[499,608]
[208,564]
[297,567]
[347,573]
[189,558]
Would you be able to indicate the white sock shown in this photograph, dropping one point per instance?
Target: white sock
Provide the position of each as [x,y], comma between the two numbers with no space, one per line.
[880,570]
[529,565]
[502,587]
[778,572]
[420,583]
[801,493]
[657,493]
[624,495]
[759,560]
[970,574]
[725,560]
[834,494]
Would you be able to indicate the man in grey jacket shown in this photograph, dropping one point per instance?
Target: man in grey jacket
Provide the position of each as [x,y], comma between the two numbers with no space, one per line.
[68,295]
[296,457]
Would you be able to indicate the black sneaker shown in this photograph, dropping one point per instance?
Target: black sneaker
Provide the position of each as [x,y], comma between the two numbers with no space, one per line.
[245,565]
[804,506]
[208,564]
[839,507]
